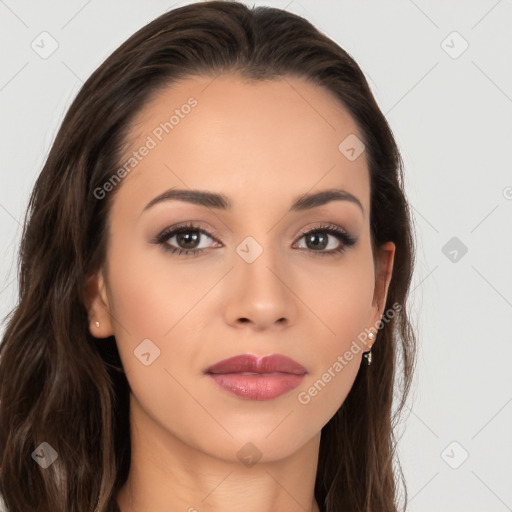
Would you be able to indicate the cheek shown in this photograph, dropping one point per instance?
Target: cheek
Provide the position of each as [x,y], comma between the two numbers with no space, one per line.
[341,299]
[150,293]
[151,299]
[342,305]
[153,310]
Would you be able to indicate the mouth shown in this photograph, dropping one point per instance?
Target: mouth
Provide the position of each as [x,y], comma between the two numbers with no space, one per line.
[248,363]
[257,378]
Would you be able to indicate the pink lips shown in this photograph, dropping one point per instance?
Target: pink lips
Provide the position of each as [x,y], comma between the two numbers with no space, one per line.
[253,378]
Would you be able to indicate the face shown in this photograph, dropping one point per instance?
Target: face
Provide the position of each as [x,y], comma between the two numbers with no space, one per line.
[245,277]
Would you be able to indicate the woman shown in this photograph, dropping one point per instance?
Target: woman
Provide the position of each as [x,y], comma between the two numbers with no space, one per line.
[217,238]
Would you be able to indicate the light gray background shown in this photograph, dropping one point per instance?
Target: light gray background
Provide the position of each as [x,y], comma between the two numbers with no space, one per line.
[451,115]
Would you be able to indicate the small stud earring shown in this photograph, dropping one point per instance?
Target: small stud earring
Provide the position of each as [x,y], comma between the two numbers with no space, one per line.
[368,354]
[97,324]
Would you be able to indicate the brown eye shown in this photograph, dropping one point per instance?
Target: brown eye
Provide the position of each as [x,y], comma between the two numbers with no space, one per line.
[187,238]
[317,240]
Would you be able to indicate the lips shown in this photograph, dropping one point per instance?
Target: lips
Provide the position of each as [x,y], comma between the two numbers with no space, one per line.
[251,364]
[257,378]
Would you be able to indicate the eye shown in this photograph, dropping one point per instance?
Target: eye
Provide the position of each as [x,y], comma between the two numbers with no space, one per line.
[317,239]
[187,236]
[185,239]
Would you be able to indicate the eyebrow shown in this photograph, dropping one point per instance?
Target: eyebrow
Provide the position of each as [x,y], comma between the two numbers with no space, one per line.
[221,202]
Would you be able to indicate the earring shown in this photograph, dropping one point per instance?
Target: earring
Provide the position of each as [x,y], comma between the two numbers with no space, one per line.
[97,324]
[368,354]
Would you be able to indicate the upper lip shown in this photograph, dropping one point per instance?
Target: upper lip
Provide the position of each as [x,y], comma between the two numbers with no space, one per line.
[254,364]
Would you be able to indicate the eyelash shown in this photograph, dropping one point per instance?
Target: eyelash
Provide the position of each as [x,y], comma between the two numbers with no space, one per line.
[339,233]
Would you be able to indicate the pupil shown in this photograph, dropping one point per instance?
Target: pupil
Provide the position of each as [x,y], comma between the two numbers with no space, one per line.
[186,239]
[315,236]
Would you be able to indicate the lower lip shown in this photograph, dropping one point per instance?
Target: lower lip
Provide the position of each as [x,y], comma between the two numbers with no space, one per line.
[264,386]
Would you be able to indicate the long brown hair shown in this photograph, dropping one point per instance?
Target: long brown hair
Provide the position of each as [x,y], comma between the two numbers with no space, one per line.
[60,386]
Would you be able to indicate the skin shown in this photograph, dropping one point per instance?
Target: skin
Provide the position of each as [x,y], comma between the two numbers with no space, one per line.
[262,145]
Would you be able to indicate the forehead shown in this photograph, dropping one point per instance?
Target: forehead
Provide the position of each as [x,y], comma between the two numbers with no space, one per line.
[273,139]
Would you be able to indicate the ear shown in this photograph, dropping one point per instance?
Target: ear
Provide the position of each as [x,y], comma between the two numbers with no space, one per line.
[383,271]
[96,302]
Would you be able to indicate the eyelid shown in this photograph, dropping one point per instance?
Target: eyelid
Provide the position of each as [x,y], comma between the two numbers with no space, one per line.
[192,226]
[324,226]
[171,231]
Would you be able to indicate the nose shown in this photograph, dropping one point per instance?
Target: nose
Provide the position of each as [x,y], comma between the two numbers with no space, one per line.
[261,294]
